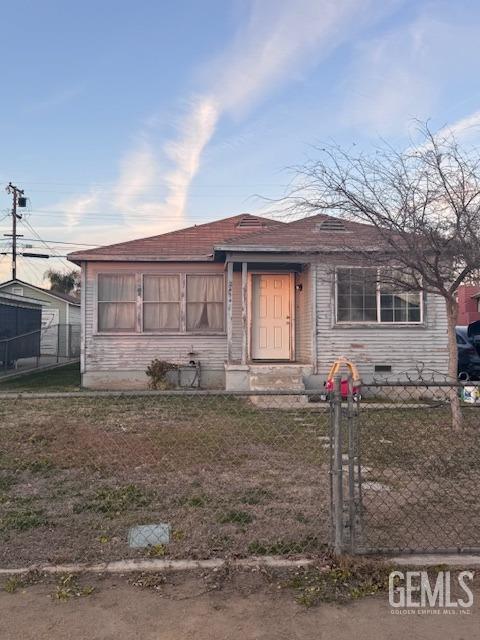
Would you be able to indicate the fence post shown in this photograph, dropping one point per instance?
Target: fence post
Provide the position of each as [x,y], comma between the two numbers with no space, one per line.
[351,464]
[337,471]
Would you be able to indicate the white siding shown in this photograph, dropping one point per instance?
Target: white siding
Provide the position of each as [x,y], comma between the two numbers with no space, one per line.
[303,318]
[74,314]
[402,347]
[121,352]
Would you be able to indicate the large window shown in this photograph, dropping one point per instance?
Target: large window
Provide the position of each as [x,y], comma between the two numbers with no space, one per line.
[116,302]
[175,303]
[370,295]
[161,303]
[205,303]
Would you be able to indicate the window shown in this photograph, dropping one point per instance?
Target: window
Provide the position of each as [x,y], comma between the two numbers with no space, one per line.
[161,303]
[397,306]
[176,303]
[18,291]
[116,302]
[205,303]
[364,295]
[357,295]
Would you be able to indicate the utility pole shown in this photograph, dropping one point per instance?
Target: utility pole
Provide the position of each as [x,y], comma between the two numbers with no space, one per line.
[18,199]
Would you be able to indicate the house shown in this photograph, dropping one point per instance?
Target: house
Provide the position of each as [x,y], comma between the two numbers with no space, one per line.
[468,298]
[254,303]
[60,316]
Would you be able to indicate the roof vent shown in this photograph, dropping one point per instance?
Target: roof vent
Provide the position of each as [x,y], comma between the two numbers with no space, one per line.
[249,222]
[331,224]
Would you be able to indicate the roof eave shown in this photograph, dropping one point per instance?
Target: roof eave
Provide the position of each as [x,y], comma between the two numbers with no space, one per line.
[77,259]
[290,249]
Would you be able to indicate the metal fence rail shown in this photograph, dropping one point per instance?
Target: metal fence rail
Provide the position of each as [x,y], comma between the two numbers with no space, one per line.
[200,474]
[49,345]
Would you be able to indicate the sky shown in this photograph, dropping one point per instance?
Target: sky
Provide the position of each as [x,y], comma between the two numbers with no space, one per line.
[123,120]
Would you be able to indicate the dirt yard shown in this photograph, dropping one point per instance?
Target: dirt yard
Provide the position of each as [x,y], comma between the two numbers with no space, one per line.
[228,477]
[192,608]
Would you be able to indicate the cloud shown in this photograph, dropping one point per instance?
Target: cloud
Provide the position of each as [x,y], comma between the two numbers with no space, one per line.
[280,41]
[411,71]
[185,153]
[467,127]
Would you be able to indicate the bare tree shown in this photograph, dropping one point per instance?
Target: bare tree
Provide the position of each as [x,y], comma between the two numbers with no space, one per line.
[425,206]
[64,282]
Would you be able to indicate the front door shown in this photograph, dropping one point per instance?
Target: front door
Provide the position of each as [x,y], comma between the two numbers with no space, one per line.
[271,323]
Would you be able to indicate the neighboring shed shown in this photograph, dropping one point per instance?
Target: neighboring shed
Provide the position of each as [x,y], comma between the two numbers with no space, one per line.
[20,326]
[60,316]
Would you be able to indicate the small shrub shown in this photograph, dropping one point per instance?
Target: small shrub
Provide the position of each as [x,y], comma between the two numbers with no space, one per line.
[156,550]
[347,579]
[68,586]
[236,517]
[12,584]
[157,372]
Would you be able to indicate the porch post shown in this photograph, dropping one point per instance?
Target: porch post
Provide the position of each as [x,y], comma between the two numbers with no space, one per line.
[313,279]
[229,310]
[244,314]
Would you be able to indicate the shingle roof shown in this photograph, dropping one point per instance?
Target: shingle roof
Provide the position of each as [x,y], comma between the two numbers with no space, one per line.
[193,243]
[316,233]
[56,294]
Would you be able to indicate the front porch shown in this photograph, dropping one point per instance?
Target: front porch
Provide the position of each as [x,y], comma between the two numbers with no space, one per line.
[271,325]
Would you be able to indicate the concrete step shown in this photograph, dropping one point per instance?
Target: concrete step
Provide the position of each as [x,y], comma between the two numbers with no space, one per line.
[285,377]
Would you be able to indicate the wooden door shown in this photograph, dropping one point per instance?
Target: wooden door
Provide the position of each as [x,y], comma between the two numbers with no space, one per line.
[271,322]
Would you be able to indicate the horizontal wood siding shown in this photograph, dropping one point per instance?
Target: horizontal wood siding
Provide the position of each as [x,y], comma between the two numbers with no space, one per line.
[402,347]
[74,314]
[134,352]
[303,317]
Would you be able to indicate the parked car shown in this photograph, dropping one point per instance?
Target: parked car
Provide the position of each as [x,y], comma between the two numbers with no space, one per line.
[468,345]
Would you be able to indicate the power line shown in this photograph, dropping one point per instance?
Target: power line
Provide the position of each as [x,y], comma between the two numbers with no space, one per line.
[74,244]
[27,224]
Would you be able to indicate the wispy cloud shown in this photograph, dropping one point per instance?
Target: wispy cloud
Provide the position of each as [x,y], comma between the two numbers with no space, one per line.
[280,41]
[411,71]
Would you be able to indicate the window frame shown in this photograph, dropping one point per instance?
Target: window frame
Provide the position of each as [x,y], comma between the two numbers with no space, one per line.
[143,302]
[139,302]
[98,302]
[378,322]
[223,302]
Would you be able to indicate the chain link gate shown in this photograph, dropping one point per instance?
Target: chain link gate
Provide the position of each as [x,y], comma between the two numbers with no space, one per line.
[404,479]
[345,471]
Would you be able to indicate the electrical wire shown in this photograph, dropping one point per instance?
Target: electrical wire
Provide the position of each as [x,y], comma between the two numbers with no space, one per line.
[29,226]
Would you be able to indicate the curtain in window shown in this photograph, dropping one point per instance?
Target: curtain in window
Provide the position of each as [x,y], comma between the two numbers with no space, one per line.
[116,302]
[161,303]
[205,303]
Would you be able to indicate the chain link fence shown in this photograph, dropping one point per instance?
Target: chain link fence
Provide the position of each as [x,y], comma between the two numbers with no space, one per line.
[406,478]
[91,476]
[50,345]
